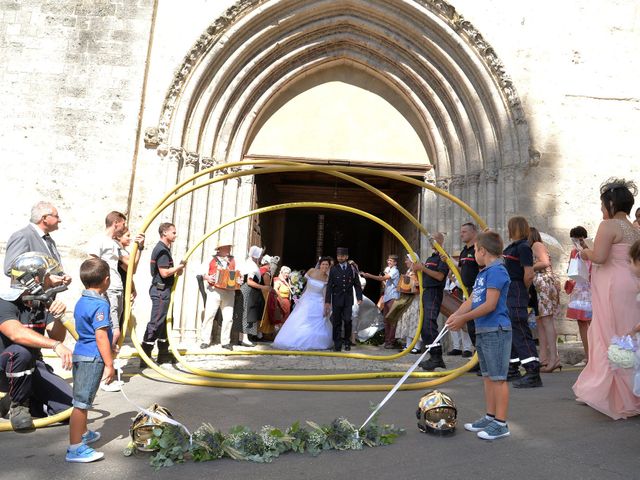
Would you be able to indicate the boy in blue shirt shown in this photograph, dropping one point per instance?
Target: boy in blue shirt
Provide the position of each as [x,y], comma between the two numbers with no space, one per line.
[92,361]
[488,307]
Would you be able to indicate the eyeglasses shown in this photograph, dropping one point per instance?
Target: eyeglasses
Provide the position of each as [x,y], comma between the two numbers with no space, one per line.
[52,215]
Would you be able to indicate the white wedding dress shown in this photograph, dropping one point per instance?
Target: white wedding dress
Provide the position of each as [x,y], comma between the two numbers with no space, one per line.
[307,328]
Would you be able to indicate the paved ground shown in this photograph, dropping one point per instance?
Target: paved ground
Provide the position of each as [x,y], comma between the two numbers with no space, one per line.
[552,435]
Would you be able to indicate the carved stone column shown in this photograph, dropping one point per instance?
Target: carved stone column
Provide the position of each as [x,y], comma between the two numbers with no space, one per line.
[428,214]
[472,199]
[444,211]
[243,204]
[457,185]
[509,193]
[491,180]
[182,327]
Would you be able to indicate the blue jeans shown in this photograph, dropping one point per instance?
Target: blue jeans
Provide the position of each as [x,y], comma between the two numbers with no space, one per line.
[494,350]
[87,374]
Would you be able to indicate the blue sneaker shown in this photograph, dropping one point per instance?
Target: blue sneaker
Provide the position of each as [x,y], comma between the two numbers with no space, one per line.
[90,437]
[83,454]
[478,425]
[494,431]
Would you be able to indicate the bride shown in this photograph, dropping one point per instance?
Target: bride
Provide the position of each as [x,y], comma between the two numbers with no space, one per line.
[307,328]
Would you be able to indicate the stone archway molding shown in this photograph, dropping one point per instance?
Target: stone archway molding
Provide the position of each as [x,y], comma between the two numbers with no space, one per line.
[471,118]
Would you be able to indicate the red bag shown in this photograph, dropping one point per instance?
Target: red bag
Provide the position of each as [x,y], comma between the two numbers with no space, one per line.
[569,285]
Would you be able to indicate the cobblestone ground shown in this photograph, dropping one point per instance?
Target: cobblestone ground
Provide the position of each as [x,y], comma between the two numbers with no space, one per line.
[215,359]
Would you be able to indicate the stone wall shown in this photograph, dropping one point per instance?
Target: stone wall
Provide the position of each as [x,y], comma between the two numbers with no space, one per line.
[71,83]
[71,75]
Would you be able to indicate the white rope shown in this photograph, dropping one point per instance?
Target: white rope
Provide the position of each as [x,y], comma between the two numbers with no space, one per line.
[405,376]
[118,364]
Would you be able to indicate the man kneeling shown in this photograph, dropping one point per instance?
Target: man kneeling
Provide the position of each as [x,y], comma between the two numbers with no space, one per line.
[26,311]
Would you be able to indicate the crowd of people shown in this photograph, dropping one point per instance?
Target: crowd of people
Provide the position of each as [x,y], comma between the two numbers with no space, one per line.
[488,308]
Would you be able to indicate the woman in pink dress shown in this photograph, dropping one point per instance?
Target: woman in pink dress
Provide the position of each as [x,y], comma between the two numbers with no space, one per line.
[615,310]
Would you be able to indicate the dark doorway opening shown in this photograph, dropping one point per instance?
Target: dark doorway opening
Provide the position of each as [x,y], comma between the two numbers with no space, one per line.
[306,229]
[300,235]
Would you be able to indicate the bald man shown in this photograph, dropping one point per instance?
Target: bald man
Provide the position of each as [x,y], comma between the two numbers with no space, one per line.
[434,277]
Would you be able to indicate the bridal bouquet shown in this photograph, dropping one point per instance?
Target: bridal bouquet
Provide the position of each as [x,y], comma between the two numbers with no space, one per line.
[297,283]
[621,352]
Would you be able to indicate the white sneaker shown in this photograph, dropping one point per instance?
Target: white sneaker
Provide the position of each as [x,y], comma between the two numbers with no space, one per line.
[114,386]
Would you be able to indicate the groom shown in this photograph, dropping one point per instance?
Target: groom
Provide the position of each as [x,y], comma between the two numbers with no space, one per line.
[343,277]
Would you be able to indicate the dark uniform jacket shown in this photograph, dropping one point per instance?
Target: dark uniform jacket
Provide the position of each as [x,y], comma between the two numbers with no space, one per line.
[341,284]
[517,256]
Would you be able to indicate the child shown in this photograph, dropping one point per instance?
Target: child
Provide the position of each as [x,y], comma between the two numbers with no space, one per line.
[579,291]
[91,357]
[634,255]
[488,307]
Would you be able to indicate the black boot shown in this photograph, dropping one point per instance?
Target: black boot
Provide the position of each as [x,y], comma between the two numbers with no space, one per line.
[164,355]
[146,348]
[514,372]
[435,361]
[21,420]
[5,405]
[531,379]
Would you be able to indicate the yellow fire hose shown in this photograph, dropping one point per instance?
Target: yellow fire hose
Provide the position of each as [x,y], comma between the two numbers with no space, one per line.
[165,202]
[287,352]
[168,200]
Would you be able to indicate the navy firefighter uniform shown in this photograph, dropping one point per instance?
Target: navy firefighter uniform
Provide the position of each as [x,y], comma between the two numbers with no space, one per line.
[431,302]
[468,272]
[160,293]
[517,256]
[343,280]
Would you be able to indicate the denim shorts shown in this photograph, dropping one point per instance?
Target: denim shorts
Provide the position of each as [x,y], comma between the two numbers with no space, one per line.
[494,350]
[87,374]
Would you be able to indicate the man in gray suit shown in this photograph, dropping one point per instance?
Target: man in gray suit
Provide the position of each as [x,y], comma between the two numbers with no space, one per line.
[36,237]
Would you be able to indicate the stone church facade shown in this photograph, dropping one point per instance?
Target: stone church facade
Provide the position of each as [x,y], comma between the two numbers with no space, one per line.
[514,108]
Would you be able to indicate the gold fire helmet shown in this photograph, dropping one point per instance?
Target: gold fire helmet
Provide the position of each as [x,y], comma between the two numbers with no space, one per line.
[437,413]
[142,427]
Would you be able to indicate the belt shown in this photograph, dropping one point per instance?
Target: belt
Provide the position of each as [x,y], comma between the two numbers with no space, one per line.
[159,286]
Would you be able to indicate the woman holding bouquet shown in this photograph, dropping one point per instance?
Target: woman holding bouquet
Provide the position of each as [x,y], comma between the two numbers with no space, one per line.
[307,328]
[615,311]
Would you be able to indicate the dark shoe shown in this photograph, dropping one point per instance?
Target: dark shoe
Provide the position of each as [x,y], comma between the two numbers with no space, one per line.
[228,346]
[467,354]
[164,355]
[337,348]
[415,350]
[347,347]
[432,363]
[5,406]
[146,348]
[21,420]
[513,373]
[204,345]
[389,346]
[551,368]
[454,352]
[529,380]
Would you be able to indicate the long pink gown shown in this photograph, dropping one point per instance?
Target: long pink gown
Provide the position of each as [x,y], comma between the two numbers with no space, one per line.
[616,311]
